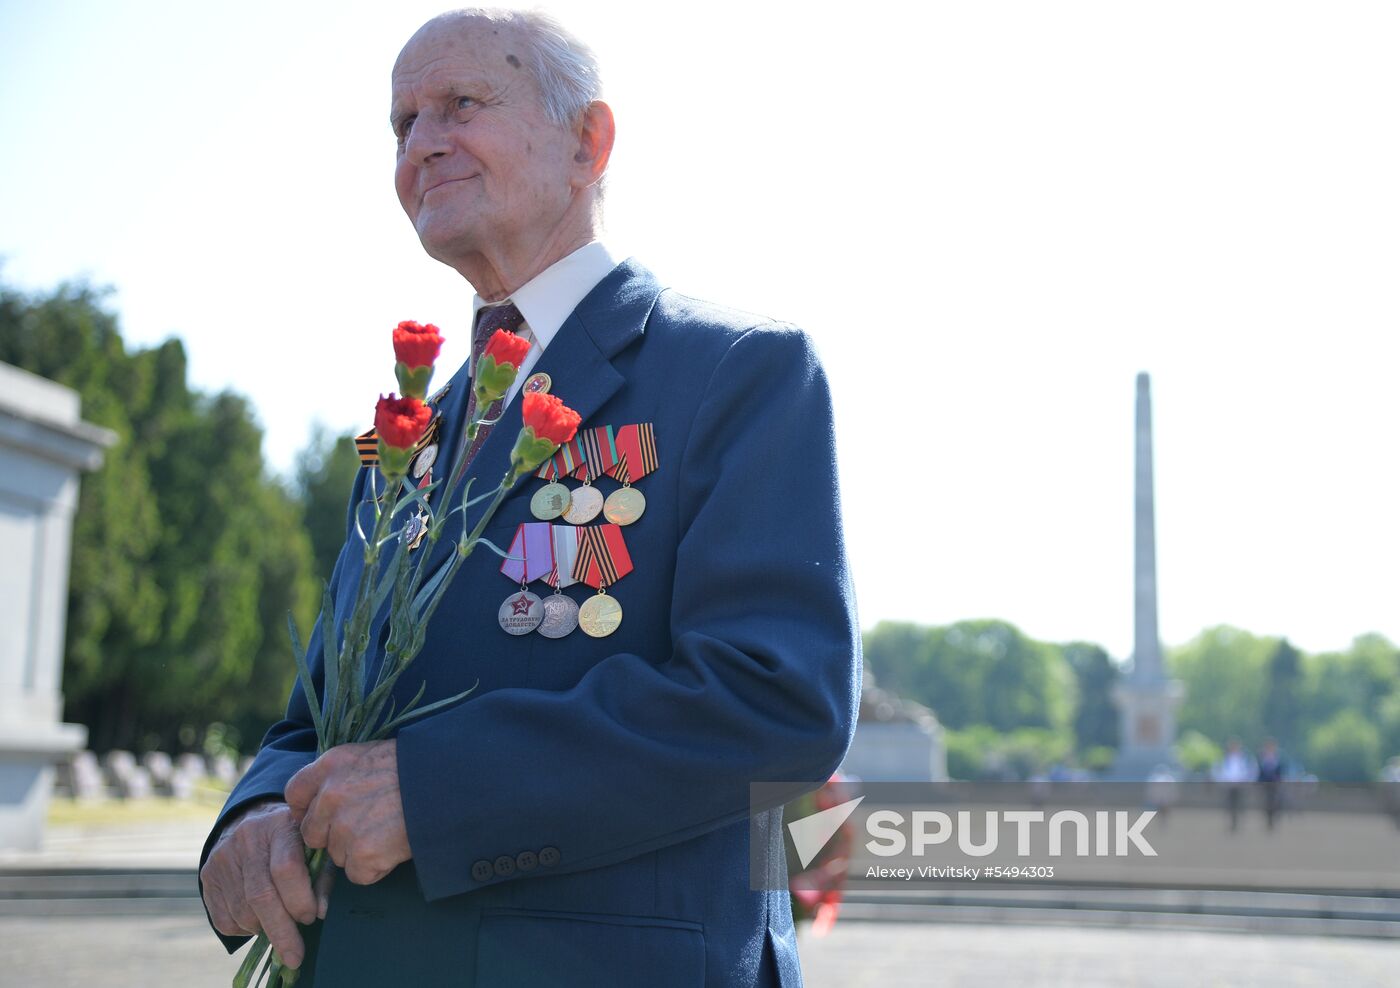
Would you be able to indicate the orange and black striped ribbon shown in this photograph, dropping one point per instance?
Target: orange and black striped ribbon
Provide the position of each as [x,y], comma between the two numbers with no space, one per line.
[367,443]
[602,556]
[636,452]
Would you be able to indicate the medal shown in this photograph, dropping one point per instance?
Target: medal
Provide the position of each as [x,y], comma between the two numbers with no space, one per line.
[550,501]
[584,504]
[424,461]
[521,613]
[537,383]
[531,557]
[600,615]
[561,616]
[415,529]
[636,457]
[624,505]
[602,561]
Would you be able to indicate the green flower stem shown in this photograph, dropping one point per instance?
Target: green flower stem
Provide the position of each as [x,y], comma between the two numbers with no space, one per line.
[251,960]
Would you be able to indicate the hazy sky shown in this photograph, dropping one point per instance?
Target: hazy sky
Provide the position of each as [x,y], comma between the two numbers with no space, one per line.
[989,216]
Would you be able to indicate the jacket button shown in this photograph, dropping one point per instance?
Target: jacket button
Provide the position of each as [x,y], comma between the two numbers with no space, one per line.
[505,865]
[549,856]
[482,871]
[526,860]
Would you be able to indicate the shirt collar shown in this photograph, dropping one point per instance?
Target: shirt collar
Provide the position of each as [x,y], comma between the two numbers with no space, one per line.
[548,298]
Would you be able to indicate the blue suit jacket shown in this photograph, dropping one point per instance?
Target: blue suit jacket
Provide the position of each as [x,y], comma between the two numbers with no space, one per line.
[582,818]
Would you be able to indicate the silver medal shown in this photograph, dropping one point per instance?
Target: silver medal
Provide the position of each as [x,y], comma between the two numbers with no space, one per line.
[560,616]
[424,461]
[584,504]
[521,613]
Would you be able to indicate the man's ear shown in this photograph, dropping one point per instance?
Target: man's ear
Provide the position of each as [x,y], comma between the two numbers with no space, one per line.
[595,143]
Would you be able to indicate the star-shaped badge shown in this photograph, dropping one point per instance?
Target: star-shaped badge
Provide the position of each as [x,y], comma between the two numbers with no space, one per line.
[521,605]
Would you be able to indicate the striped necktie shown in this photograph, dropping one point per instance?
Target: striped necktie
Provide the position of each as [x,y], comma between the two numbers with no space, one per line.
[491,318]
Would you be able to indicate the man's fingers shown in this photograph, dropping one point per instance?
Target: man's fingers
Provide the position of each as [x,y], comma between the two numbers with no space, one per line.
[221,915]
[324,882]
[302,787]
[290,877]
[315,823]
[276,922]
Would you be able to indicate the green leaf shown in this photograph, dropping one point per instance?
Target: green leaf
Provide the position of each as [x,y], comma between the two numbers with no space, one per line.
[330,658]
[408,715]
[307,684]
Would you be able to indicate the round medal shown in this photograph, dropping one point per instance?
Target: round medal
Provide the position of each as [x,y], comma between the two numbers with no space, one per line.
[521,613]
[624,506]
[584,504]
[600,615]
[550,501]
[538,384]
[423,462]
[560,616]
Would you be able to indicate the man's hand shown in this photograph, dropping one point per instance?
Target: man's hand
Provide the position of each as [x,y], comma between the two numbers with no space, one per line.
[348,802]
[255,880]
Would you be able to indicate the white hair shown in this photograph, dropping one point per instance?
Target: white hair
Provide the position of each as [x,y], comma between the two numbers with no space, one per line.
[565,68]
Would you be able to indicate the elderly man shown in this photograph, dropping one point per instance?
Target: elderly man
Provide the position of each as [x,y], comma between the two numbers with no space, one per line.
[583,817]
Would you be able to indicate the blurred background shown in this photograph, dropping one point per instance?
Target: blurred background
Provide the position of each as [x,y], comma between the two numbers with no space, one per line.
[990,218]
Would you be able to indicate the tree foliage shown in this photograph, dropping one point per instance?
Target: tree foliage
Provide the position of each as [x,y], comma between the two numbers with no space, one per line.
[325,475]
[975,672]
[187,554]
[1346,748]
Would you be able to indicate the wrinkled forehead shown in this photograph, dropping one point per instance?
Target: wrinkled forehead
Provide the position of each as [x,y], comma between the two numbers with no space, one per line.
[456,43]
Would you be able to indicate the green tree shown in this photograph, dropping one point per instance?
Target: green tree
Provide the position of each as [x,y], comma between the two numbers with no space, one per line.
[1359,679]
[975,672]
[1224,672]
[1096,719]
[1196,752]
[325,475]
[1284,700]
[1345,749]
[183,547]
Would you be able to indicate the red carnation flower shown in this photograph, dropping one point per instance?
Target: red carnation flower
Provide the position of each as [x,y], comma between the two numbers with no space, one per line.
[507,348]
[401,422]
[416,345]
[549,417]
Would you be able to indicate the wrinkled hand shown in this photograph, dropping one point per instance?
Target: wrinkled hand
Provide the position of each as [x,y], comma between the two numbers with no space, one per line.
[348,802]
[255,880]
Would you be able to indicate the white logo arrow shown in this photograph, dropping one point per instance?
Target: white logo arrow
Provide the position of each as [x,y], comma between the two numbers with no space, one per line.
[810,834]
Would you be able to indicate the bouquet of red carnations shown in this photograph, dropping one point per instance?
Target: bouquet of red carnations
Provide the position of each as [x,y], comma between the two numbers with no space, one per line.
[348,709]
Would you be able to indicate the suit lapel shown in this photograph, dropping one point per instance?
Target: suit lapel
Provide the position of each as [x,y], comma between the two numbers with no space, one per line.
[579,363]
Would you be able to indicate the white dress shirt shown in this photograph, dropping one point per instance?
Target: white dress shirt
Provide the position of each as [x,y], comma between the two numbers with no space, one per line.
[547,299]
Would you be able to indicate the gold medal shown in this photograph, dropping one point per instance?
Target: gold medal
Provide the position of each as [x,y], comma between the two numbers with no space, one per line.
[600,615]
[550,501]
[537,384]
[624,505]
[584,504]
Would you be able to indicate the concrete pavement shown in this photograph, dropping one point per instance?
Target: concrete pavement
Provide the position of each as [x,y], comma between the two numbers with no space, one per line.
[121,951]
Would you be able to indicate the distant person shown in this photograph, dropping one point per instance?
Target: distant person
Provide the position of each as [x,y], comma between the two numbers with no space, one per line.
[1270,772]
[1234,771]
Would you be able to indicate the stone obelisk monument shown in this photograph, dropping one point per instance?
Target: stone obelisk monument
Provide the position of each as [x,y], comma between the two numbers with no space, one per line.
[1146,698]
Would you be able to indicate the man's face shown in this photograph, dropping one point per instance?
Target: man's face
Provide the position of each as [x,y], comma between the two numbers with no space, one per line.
[480,167]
